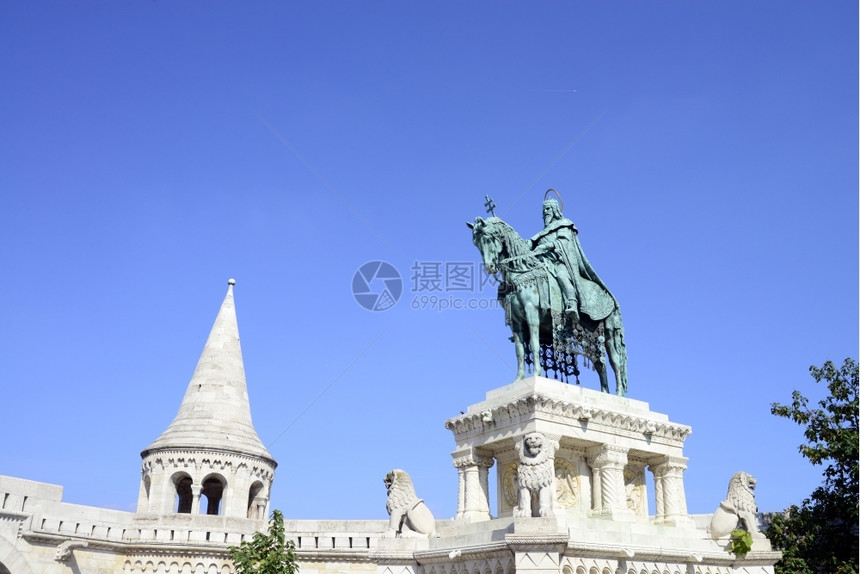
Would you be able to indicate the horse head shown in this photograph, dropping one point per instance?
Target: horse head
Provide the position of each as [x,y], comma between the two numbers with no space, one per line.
[487,237]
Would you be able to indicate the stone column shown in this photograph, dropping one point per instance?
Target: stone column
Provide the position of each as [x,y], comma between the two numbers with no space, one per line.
[485,463]
[473,502]
[196,489]
[609,498]
[669,488]
[461,491]
[261,508]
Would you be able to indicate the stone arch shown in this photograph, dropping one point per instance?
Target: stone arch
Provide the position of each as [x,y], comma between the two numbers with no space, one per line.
[184,496]
[11,560]
[213,488]
[256,501]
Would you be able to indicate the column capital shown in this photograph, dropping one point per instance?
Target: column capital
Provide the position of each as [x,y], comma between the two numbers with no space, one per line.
[474,459]
[668,466]
[607,455]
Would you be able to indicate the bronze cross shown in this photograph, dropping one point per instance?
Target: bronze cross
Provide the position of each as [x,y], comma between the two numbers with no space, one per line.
[491,207]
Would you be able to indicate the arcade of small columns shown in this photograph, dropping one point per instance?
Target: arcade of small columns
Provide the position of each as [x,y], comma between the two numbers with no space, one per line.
[607,463]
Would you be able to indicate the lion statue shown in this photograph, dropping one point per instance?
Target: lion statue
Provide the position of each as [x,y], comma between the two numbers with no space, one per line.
[410,517]
[739,506]
[535,476]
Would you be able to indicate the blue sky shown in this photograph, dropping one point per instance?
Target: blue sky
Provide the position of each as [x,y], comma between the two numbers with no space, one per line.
[707,152]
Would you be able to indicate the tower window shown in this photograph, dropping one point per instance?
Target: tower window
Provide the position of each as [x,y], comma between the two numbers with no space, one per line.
[184,496]
[256,501]
[213,491]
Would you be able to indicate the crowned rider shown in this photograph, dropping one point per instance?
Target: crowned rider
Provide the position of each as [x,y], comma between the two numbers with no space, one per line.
[558,246]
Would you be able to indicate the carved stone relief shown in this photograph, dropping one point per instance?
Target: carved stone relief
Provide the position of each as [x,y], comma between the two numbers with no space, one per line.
[566,484]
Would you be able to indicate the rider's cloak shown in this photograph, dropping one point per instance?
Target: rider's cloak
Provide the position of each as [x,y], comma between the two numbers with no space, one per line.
[594,297]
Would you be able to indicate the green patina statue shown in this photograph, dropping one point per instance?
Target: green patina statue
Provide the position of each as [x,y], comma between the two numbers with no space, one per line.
[555,303]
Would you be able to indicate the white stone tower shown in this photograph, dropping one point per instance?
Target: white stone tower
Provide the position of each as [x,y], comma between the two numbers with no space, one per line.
[210,459]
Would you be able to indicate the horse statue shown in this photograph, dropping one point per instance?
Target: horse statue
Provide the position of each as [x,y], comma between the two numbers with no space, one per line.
[543,323]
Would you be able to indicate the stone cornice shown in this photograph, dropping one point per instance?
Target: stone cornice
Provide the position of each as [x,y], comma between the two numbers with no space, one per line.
[636,553]
[136,548]
[214,551]
[463,553]
[539,404]
[352,556]
[526,542]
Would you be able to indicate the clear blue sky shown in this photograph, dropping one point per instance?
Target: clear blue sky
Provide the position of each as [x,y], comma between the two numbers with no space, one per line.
[707,151]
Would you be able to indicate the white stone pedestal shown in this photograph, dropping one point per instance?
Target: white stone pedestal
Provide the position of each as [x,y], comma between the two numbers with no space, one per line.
[606,443]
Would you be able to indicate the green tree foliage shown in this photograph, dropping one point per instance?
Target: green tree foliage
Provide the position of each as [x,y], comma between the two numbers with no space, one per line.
[268,553]
[820,536]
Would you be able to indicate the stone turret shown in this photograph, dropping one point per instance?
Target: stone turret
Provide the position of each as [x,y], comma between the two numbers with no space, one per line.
[210,459]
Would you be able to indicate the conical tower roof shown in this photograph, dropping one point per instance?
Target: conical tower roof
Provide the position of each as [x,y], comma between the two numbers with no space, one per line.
[215,413]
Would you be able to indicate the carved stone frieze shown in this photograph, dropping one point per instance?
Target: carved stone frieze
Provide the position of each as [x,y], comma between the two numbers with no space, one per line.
[198,461]
[539,404]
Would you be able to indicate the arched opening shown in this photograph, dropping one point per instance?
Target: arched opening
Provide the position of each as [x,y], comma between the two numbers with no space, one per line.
[184,496]
[213,491]
[256,501]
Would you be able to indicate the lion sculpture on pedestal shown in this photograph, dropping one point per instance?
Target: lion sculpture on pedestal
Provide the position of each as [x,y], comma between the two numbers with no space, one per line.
[536,476]
[739,506]
[410,517]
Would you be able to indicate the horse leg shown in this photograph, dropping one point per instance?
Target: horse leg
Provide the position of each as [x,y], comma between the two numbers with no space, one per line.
[600,367]
[617,352]
[533,322]
[521,352]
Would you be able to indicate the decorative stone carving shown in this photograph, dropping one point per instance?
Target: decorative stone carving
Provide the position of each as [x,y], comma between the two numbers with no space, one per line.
[634,486]
[738,507]
[536,476]
[566,484]
[510,487]
[410,517]
[64,550]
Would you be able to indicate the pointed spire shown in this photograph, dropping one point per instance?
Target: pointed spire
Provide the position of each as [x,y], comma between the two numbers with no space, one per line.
[215,413]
